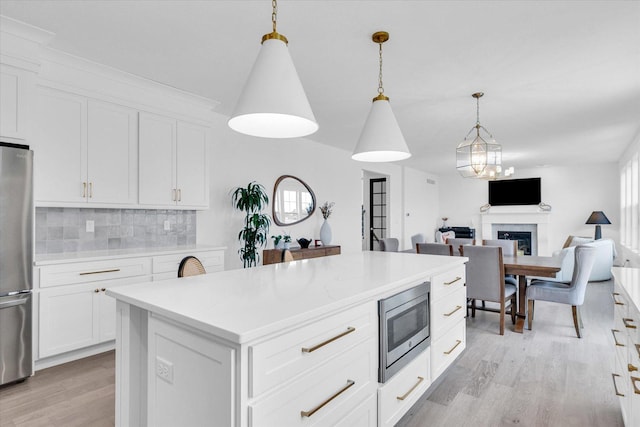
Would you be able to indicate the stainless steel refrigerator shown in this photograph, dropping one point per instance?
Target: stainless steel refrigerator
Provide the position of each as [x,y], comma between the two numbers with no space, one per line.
[16,266]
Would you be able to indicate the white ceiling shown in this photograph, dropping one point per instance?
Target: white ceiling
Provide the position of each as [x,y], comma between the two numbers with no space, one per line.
[561,78]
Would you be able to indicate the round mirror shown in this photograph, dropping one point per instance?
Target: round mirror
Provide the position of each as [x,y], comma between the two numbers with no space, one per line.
[293,201]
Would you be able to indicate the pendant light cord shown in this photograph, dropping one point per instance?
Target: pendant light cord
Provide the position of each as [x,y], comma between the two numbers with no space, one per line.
[380,88]
[274,14]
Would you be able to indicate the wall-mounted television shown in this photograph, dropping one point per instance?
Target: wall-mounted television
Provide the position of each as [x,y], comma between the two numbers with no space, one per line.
[512,192]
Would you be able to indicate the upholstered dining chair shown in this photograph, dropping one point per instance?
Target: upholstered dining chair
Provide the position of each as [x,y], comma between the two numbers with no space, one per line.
[485,281]
[434,249]
[457,242]
[190,266]
[509,248]
[571,294]
[389,244]
[418,238]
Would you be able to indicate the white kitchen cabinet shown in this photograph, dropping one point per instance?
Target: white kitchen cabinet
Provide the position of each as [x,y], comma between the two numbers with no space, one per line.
[173,170]
[77,316]
[86,151]
[626,343]
[14,98]
[448,327]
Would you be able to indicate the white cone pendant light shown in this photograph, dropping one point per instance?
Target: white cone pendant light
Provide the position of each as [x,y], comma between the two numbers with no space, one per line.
[273,103]
[381,139]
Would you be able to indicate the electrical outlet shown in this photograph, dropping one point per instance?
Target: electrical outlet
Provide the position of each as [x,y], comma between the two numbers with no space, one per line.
[90,226]
[164,369]
[167,225]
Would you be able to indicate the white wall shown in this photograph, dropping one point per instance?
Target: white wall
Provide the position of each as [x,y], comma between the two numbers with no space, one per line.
[421,205]
[238,159]
[573,192]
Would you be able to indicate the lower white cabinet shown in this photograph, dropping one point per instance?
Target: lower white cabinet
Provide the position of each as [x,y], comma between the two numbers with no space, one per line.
[74,312]
[76,316]
[398,394]
[626,343]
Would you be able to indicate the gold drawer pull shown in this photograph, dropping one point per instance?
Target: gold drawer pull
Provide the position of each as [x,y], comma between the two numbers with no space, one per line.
[404,396]
[638,349]
[320,406]
[84,190]
[627,323]
[633,382]
[458,307]
[453,281]
[100,272]
[615,300]
[615,386]
[615,340]
[631,368]
[91,190]
[458,342]
[330,340]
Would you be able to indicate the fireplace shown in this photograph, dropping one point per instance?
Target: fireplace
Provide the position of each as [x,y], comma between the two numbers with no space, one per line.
[523,238]
[520,219]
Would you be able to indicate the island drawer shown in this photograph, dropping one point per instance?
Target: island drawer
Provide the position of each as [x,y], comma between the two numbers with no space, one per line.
[84,272]
[448,311]
[327,393]
[448,282]
[281,358]
[403,389]
[447,347]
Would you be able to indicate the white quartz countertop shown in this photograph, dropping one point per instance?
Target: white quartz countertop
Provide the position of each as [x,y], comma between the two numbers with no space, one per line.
[66,257]
[629,279]
[244,305]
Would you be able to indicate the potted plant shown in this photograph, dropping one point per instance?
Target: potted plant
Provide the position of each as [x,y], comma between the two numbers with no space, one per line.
[277,240]
[287,241]
[252,200]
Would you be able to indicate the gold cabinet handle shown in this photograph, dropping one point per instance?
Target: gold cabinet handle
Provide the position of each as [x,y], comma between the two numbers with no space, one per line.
[627,323]
[633,382]
[350,383]
[458,342]
[458,307]
[179,194]
[631,368]
[615,294]
[638,349]
[615,386]
[404,396]
[330,340]
[99,272]
[453,281]
[84,190]
[615,340]
[173,194]
[90,189]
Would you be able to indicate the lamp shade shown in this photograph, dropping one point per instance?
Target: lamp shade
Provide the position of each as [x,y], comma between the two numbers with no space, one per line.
[273,103]
[598,217]
[381,139]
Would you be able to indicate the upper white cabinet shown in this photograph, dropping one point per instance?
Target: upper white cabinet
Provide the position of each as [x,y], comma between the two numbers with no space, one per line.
[173,169]
[14,84]
[85,150]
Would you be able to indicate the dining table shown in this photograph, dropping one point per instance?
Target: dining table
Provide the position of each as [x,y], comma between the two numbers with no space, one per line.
[528,265]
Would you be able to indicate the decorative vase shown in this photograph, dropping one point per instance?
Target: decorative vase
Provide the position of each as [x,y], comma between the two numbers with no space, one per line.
[325,233]
[287,245]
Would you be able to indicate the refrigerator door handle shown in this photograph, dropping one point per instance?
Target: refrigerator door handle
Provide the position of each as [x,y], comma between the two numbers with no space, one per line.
[13,303]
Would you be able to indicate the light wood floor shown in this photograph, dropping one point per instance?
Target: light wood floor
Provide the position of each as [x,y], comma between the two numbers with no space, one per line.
[544,377]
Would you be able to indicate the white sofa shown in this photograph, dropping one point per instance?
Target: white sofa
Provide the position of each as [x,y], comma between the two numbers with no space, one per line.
[601,268]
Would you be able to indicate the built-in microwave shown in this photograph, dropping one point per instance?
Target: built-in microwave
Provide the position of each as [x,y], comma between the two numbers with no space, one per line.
[404,329]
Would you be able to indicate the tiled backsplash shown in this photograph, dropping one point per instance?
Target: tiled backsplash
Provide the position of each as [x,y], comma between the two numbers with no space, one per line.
[64,229]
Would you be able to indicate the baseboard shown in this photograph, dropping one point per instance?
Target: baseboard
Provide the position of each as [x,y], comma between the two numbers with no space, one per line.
[70,356]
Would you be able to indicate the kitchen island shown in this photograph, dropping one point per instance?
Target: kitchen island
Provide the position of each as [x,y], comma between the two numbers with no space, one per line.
[286,344]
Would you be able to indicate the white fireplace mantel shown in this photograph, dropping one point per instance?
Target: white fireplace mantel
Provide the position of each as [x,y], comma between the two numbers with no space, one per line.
[519,215]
